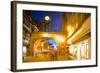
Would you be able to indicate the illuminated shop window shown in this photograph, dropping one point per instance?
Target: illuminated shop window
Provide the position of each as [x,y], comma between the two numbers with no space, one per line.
[73,51]
[84,50]
[80,50]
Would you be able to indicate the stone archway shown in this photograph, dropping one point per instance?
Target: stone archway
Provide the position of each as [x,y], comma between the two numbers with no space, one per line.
[58,37]
[37,46]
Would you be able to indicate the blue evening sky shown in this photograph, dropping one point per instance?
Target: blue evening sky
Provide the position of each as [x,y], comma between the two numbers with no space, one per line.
[56,18]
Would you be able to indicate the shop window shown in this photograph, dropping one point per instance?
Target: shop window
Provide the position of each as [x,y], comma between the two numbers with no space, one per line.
[80,50]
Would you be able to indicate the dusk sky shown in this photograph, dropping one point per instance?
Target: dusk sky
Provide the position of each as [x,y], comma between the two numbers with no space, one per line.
[56,18]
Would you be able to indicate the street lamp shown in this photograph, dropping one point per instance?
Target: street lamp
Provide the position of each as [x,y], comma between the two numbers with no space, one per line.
[47,18]
[47,25]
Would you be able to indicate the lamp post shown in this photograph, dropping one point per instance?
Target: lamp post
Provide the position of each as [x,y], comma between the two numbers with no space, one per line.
[47,24]
[47,18]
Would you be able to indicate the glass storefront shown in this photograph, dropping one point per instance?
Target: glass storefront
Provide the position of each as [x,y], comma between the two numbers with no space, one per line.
[80,50]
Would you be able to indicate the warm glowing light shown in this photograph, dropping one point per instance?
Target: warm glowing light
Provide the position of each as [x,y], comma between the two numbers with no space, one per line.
[70,33]
[76,24]
[47,18]
[71,50]
[69,42]
[69,28]
[60,38]
[46,35]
